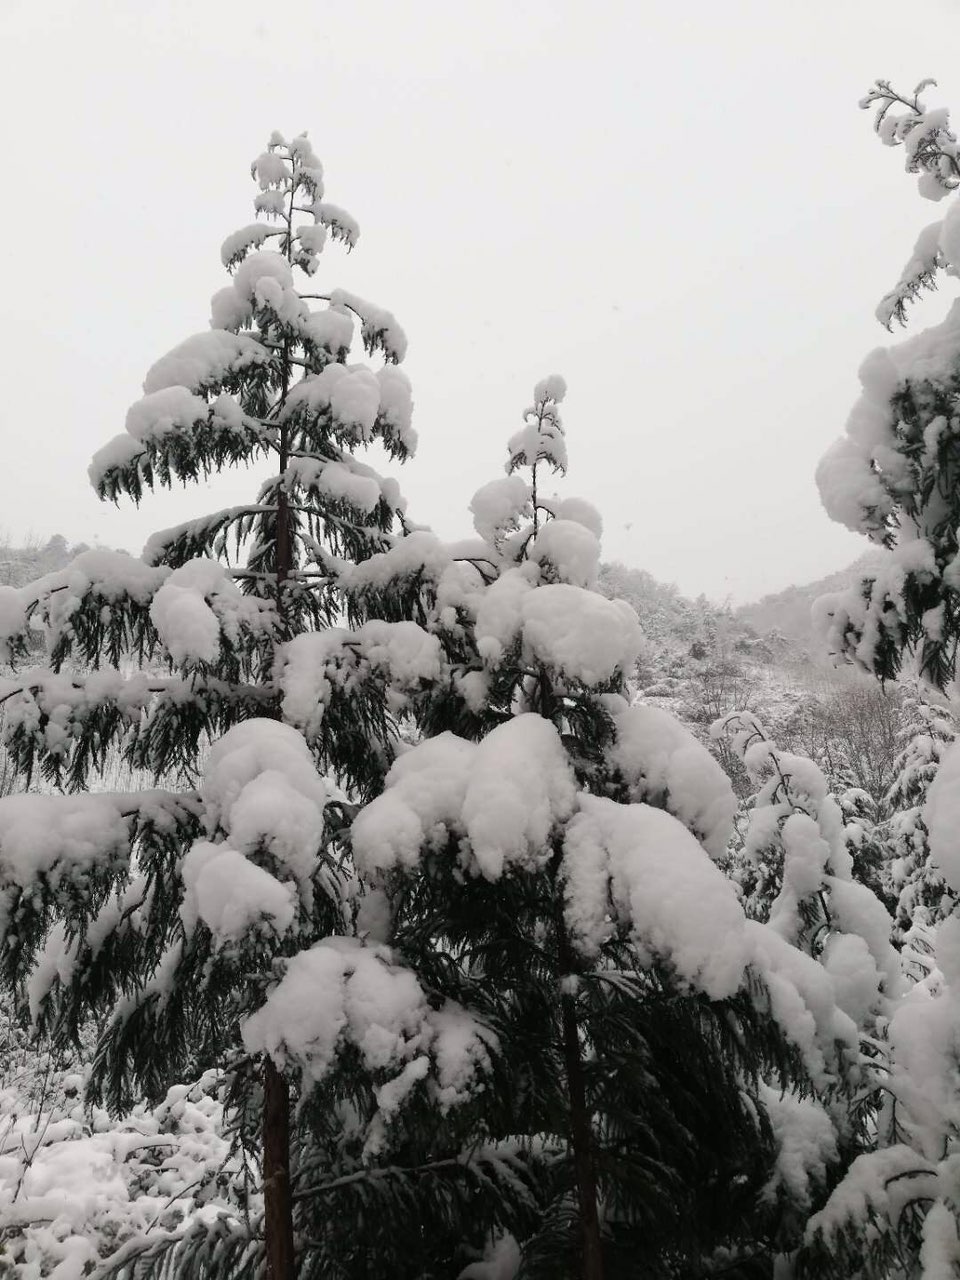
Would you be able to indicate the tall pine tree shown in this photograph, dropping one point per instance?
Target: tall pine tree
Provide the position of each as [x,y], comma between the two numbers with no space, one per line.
[159,915]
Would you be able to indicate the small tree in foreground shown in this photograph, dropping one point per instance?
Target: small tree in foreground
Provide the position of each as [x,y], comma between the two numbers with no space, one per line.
[540,869]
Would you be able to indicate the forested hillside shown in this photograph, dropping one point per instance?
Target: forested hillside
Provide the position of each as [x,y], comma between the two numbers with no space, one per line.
[20,564]
[790,612]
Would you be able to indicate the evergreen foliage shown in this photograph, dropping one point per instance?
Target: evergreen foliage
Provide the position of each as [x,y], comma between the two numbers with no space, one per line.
[893,475]
[418,855]
[158,916]
[893,1213]
[922,898]
[540,861]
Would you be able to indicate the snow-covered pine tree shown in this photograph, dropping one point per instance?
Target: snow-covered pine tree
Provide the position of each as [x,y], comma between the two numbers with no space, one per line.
[922,897]
[160,914]
[893,474]
[539,866]
[806,888]
[798,871]
[895,1211]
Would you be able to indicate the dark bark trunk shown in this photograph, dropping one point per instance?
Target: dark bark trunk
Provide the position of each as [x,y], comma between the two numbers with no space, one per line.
[581,1139]
[581,1130]
[277,1193]
[277,1198]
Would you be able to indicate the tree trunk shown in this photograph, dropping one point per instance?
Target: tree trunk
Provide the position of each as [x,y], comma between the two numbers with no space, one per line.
[277,1194]
[581,1131]
[277,1198]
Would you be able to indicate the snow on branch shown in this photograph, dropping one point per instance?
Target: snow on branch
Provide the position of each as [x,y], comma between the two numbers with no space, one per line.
[357,403]
[204,361]
[313,667]
[920,273]
[59,852]
[378,327]
[175,435]
[343,991]
[930,145]
[662,763]
[542,437]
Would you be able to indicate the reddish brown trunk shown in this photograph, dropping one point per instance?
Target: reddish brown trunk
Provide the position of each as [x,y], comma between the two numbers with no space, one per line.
[284,547]
[277,1194]
[581,1139]
[277,1198]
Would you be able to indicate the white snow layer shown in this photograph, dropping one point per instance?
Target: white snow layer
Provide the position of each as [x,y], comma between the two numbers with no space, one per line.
[663,763]
[75,1181]
[342,991]
[639,867]
[231,894]
[847,475]
[577,633]
[206,358]
[356,397]
[503,797]
[498,506]
[309,667]
[806,1145]
[262,795]
[198,606]
[570,550]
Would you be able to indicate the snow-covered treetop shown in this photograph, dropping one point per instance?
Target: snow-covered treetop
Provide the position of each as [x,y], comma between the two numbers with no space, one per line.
[931,146]
[542,438]
[933,153]
[219,397]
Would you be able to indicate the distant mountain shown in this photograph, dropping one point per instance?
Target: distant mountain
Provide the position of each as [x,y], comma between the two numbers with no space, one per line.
[778,627]
[787,612]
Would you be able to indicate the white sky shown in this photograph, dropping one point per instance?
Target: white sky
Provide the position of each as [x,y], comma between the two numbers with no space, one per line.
[676,205]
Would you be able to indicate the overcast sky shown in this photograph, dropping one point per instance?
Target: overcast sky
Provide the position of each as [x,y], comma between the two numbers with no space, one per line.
[677,205]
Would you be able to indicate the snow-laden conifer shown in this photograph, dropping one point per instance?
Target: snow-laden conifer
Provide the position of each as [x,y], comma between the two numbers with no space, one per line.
[158,915]
[539,873]
[894,1211]
[923,898]
[798,873]
[896,1114]
[893,473]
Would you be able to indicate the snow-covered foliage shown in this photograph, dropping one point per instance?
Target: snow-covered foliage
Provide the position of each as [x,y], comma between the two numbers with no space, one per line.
[543,861]
[894,1210]
[78,1188]
[893,477]
[797,874]
[156,921]
[922,896]
[892,474]
[547,997]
